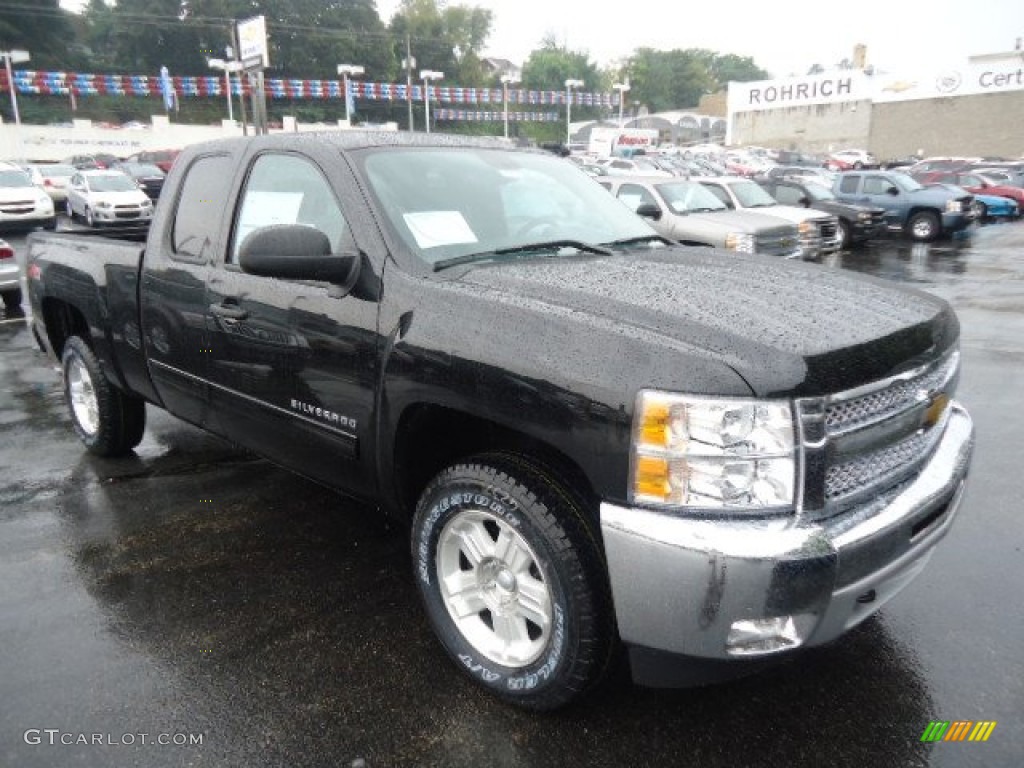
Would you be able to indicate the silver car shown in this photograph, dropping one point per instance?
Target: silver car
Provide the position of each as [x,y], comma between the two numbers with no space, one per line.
[107,197]
[686,212]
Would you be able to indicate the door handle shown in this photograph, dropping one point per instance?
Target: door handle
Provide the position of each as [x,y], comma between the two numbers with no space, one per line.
[228,312]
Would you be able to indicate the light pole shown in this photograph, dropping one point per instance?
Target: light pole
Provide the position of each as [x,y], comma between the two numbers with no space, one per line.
[569,85]
[621,88]
[345,70]
[427,75]
[16,56]
[228,67]
[506,81]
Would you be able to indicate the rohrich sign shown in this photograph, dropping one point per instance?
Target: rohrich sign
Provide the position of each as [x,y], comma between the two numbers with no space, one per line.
[853,85]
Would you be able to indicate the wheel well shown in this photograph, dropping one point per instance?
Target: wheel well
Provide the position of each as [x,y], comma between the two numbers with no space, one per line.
[432,437]
[915,211]
[62,322]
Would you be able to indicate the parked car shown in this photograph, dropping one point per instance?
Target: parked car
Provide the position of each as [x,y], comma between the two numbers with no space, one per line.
[1003,175]
[846,159]
[90,162]
[52,177]
[933,164]
[975,182]
[10,279]
[107,197]
[686,212]
[596,440]
[818,232]
[161,158]
[993,207]
[22,204]
[923,213]
[148,176]
[809,173]
[857,223]
[618,166]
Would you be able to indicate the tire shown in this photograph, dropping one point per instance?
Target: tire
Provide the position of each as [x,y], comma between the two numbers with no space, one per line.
[12,303]
[51,224]
[89,220]
[532,621]
[108,421]
[982,210]
[858,165]
[70,211]
[845,236]
[924,226]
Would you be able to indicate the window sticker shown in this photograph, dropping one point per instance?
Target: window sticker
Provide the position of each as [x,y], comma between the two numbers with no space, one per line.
[436,228]
[263,209]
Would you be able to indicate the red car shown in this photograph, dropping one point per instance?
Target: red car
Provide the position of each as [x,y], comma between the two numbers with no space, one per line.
[161,158]
[975,183]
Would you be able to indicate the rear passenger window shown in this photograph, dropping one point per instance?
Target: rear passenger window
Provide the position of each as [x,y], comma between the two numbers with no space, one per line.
[788,195]
[633,195]
[201,206]
[876,185]
[849,184]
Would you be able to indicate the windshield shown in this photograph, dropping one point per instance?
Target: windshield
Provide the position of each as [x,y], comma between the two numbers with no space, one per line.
[817,192]
[15,179]
[446,203]
[688,197]
[112,183]
[751,195]
[141,169]
[905,183]
[57,171]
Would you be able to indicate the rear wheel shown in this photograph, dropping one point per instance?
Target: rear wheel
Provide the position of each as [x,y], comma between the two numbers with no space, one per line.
[69,210]
[924,226]
[12,302]
[109,421]
[513,581]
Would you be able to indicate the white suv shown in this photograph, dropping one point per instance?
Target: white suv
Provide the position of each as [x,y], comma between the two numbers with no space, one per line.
[22,203]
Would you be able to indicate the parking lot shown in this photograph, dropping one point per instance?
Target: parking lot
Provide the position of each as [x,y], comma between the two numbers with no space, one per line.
[201,597]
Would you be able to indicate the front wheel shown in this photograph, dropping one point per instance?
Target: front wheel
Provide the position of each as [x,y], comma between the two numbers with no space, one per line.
[90,220]
[12,302]
[513,581]
[924,226]
[845,235]
[109,421]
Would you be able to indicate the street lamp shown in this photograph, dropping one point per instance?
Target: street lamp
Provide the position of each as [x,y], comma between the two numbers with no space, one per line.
[16,56]
[621,88]
[345,70]
[427,75]
[507,80]
[228,67]
[569,85]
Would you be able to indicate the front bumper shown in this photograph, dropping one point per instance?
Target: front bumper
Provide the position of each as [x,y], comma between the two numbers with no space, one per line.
[690,587]
[954,222]
[111,216]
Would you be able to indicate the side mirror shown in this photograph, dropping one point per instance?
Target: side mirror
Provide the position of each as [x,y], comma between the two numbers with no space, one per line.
[892,191]
[805,201]
[296,252]
[649,211]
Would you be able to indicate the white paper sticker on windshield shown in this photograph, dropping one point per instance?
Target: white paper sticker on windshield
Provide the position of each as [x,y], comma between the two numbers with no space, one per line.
[434,228]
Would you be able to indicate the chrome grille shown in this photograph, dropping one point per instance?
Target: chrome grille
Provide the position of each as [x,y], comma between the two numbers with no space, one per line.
[776,245]
[829,229]
[843,415]
[878,467]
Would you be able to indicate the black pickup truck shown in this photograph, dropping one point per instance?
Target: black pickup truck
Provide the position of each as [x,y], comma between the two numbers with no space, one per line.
[598,439]
[857,223]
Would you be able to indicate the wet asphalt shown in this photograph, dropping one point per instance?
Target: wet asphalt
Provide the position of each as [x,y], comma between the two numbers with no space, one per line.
[196,595]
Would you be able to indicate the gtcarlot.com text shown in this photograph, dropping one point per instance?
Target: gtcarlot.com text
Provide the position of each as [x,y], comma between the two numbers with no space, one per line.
[57,737]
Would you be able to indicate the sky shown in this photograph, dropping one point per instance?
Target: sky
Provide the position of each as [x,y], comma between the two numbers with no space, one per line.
[784,37]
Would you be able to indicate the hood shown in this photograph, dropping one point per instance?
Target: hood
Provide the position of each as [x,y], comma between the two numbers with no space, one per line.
[787,328]
[20,194]
[129,197]
[839,208]
[724,222]
[790,213]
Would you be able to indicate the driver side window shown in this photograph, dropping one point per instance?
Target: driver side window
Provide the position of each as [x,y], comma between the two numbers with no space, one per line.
[287,189]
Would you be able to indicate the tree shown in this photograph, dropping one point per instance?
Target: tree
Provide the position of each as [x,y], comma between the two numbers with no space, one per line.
[43,29]
[549,66]
[676,79]
[444,38]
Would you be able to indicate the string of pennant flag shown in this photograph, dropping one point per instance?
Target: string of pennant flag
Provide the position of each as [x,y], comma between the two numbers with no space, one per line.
[62,83]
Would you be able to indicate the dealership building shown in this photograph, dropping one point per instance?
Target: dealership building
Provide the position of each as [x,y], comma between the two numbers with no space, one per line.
[973,109]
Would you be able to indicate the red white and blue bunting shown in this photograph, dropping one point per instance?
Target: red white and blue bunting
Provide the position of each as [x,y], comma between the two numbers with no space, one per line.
[30,82]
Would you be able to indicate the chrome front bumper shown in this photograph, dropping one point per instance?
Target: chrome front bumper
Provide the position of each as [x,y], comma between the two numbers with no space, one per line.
[694,587]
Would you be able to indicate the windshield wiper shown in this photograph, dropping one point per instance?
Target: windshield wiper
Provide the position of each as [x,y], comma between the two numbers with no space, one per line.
[637,241]
[547,245]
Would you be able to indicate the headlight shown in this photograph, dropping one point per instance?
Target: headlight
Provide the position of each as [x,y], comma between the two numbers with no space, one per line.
[864,216]
[954,206]
[147,203]
[738,241]
[806,227]
[104,205]
[709,453]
